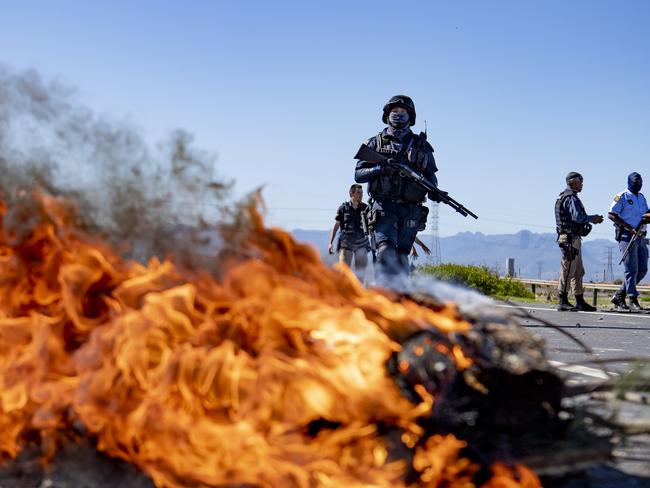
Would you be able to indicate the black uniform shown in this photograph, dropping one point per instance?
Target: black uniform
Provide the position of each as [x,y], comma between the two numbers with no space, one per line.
[352,236]
[397,202]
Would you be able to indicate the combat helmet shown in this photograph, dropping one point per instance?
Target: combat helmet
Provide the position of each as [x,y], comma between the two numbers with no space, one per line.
[400,101]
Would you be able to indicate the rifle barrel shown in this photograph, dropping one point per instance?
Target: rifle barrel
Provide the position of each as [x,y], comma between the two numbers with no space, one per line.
[366,153]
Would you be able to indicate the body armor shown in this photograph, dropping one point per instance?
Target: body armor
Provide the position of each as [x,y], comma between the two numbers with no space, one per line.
[563,222]
[416,152]
[353,235]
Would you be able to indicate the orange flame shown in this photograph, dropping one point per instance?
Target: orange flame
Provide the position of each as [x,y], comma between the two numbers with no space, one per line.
[200,382]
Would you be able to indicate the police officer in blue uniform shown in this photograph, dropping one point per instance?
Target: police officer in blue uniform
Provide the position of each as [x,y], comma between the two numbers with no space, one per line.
[397,210]
[572,224]
[629,212]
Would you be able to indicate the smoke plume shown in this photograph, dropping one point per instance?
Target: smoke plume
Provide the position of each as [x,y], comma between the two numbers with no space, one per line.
[151,201]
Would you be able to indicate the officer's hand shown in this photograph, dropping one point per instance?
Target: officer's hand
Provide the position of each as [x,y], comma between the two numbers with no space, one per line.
[598,219]
[436,197]
[388,168]
[646,218]
[329,248]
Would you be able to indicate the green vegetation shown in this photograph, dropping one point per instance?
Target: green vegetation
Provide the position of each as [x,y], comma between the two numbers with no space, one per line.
[478,277]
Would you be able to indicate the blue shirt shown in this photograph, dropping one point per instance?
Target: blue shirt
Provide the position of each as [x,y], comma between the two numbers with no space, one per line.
[629,207]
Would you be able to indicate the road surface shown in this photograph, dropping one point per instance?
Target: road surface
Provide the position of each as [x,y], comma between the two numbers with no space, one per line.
[610,337]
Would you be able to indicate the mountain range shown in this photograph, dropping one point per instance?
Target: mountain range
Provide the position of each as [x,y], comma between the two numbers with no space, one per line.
[536,255]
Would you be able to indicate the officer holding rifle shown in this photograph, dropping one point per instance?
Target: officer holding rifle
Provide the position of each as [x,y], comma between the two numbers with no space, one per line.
[399,168]
[629,212]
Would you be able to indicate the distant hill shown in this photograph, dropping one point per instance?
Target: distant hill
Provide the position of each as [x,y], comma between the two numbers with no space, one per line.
[530,250]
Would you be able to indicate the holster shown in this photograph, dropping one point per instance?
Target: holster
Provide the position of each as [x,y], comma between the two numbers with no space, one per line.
[424,215]
[566,246]
[618,234]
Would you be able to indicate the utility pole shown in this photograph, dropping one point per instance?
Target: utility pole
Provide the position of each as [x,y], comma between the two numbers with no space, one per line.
[539,270]
[436,257]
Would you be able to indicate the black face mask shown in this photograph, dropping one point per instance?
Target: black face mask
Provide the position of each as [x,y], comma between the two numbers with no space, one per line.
[634,183]
[398,120]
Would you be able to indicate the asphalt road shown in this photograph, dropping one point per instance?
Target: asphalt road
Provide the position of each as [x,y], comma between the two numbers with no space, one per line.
[616,339]
[610,335]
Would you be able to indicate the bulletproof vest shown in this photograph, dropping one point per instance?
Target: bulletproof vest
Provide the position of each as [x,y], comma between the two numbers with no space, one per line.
[348,224]
[414,153]
[563,222]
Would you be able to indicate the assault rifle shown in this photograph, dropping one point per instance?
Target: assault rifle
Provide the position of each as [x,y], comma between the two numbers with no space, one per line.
[637,235]
[366,153]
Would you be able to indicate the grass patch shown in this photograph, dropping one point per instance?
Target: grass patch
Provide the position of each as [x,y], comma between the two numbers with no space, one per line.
[478,277]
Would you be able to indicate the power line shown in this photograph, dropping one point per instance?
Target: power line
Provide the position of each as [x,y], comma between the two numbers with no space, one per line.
[551,228]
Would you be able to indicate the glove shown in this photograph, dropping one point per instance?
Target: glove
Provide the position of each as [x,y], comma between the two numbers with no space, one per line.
[435,197]
[388,168]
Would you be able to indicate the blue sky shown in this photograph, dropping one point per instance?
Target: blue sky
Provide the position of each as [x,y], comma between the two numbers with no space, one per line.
[515,93]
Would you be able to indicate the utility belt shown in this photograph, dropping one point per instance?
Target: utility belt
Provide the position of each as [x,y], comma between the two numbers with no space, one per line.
[400,201]
[374,215]
[581,230]
[622,234]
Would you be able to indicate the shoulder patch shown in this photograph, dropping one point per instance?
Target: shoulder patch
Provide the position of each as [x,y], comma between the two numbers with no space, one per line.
[617,198]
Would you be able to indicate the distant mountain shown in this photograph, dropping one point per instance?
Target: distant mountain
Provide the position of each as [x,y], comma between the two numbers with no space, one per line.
[535,254]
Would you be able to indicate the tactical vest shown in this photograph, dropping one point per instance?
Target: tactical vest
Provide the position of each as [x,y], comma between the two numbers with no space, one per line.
[352,235]
[563,222]
[415,153]
[348,224]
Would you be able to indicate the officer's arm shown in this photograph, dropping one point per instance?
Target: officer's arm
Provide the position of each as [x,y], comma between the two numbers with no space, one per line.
[614,217]
[614,213]
[430,174]
[334,230]
[577,214]
[330,244]
[366,171]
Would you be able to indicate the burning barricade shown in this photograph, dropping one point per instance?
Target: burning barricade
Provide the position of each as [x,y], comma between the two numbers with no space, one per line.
[281,373]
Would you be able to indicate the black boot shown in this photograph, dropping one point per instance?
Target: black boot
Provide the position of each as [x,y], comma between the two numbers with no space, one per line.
[564,305]
[582,306]
[619,301]
[634,305]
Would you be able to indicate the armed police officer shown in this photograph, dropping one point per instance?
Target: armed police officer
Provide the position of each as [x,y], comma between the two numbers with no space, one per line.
[572,224]
[353,240]
[397,210]
[629,212]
